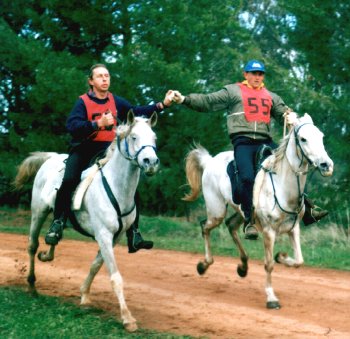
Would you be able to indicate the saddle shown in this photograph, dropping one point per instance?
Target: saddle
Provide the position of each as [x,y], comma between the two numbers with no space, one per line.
[98,161]
[78,195]
[232,171]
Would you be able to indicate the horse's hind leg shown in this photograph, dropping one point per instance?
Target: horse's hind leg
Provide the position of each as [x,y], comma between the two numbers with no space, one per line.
[233,223]
[209,224]
[37,221]
[85,287]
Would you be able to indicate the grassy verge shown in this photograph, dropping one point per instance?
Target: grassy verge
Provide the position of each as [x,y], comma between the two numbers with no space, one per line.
[326,246]
[23,316]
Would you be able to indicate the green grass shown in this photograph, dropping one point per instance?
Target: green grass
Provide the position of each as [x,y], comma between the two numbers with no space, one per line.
[23,316]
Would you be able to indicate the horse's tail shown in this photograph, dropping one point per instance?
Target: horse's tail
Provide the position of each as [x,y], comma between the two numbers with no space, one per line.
[196,161]
[29,167]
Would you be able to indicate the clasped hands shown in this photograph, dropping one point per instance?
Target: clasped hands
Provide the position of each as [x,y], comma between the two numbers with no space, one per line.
[173,96]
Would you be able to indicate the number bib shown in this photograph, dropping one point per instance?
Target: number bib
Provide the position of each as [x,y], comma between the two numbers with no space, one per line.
[256,104]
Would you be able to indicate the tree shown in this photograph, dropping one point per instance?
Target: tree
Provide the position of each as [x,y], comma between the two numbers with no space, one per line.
[152,46]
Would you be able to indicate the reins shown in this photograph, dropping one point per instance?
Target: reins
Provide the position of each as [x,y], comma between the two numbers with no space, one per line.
[301,195]
[115,203]
[107,187]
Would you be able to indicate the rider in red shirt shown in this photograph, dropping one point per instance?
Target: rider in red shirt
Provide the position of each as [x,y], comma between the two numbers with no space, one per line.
[90,124]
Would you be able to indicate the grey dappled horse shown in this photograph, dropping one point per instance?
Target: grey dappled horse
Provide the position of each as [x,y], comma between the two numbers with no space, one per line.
[278,197]
[133,151]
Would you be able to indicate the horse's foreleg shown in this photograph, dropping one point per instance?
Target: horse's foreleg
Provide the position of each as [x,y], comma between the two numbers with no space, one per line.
[233,223]
[85,287]
[209,224]
[47,255]
[269,241]
[283,258]
[106,248]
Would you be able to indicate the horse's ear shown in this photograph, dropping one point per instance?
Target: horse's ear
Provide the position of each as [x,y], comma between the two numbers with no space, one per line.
[308,118]
[131,117]
[153,119]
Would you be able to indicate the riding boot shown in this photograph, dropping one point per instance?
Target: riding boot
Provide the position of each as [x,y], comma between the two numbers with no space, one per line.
[55,232]
[312,213]
[135,240]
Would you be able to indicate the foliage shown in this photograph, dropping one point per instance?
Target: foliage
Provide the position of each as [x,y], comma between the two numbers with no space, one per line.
[150,47]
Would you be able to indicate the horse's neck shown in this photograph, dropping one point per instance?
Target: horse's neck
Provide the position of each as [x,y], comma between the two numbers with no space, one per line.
[122,176]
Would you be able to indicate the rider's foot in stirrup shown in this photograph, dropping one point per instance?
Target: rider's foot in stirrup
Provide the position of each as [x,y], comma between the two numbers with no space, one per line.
[136,242]
[55,232]
[250,231]
[314,215]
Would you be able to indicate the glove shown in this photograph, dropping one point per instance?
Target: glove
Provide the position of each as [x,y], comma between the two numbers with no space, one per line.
[178,97]
[291,118]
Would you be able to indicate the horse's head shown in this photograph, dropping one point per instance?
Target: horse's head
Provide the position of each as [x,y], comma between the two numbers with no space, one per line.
[137,142]
[309,140]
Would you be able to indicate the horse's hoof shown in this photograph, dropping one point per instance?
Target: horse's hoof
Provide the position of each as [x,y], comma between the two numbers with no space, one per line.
[201,268]
[241,272]
[280,256]
[44,256]
[273,305]
[130,327]
[33,292]
[85,301]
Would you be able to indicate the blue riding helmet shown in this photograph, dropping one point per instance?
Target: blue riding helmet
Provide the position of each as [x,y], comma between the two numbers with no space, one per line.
[254,65]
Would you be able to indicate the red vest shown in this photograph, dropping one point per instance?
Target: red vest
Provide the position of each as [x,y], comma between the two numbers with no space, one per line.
[95,111]
[257,104]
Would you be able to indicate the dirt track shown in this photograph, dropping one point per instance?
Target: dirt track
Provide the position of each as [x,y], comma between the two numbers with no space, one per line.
[165,293]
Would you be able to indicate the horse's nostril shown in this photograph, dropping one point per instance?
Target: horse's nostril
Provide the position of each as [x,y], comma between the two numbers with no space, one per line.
[146,161]
[324,165]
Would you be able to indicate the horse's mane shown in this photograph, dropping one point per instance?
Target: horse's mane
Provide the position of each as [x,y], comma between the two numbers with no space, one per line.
[122,132]
[280,151]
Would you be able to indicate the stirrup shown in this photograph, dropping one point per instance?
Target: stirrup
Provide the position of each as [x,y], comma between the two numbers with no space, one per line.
[250,232]
[55,232]
[313,215]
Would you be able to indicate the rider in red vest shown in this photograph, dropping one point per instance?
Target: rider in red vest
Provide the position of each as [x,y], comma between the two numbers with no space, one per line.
[249,107]
[90,124]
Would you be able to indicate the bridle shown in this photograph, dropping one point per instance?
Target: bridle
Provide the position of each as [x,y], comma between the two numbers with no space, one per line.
[303,155]
[128,156]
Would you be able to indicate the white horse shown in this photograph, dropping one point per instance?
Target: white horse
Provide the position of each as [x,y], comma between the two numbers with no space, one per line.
[133,151]
[278,196]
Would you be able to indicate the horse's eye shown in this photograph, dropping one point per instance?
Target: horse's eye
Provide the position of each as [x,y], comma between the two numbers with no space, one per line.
[303,140]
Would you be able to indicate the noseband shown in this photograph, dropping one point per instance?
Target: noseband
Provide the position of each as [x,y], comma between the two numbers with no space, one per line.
[128,156]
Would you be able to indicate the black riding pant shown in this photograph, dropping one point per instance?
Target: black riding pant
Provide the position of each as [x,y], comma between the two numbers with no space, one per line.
[78,160]
[245,155]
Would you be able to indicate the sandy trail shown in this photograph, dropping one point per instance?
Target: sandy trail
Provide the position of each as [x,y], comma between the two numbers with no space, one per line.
[165,293]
